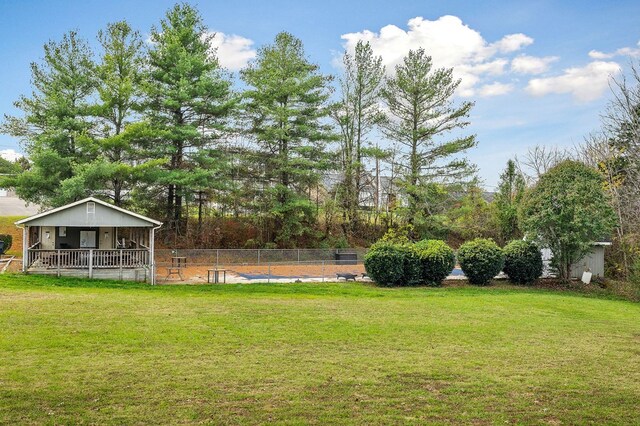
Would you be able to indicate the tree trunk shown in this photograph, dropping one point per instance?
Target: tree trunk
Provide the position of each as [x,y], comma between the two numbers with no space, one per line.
[170,201]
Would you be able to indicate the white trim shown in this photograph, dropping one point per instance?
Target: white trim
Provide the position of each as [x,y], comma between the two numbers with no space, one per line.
[25,249]
[152,257]
[89,199]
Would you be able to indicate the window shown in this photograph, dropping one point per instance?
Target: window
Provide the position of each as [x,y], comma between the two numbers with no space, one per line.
[87,239]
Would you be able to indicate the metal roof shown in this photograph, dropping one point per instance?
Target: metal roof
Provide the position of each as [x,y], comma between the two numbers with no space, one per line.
[104,214]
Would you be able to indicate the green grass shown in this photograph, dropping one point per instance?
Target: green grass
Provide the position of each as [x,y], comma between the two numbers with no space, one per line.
[75,351]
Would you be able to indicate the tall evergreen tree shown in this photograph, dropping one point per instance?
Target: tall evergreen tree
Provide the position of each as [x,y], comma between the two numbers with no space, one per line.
[55,128]
[509,196]
[356,113]
[187,102]
[286,103]
[112,172]
[420,113]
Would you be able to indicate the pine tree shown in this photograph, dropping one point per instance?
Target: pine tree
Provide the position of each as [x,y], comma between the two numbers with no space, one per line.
[420,113]
[286,104]
[356,113]
[187,102]
[55,128]
[113,171]
[507,200]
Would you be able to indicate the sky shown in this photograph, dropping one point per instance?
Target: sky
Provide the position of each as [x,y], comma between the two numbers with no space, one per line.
[538,71]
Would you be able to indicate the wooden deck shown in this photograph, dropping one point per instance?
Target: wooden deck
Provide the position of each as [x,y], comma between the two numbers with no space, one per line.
[130,265]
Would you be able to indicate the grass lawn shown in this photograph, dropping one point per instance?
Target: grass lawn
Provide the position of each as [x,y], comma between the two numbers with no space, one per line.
[76,351]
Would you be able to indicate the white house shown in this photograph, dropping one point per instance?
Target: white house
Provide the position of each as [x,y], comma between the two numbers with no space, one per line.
[90,238]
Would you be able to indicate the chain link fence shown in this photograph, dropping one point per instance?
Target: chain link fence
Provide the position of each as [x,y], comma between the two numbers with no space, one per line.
[258,265]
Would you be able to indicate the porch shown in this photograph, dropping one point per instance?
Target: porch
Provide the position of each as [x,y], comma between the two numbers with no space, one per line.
[91,263]
[90,239]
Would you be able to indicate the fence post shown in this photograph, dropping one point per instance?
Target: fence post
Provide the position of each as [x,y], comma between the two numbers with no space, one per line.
[298,255]
[90,263]
[217,256]
[323,271]
[269,273]
[120,264]
[58,256]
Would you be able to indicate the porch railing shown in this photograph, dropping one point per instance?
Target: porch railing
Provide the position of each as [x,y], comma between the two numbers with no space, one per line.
[87,258]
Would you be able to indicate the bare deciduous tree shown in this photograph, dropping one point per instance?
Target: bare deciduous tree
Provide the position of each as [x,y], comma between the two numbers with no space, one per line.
[615,152]
[539,159]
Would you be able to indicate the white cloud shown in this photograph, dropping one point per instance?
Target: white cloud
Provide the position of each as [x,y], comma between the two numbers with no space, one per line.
[495,89]
[449,42]
[495,67]
[233,51]
[10,154]
[595,54]
[524,64]
[512,43]
[583,83]
[623,51]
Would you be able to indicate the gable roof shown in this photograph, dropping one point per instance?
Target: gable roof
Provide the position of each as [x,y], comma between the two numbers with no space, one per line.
[68,215]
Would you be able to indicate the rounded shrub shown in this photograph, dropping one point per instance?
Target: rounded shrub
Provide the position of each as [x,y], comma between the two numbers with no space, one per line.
[437,260]
[481,260]
[393,264]
[412,266]
[385,263]
[7,240]
[522,261]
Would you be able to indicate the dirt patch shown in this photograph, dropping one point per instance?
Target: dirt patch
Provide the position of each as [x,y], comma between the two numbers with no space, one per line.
[261,273]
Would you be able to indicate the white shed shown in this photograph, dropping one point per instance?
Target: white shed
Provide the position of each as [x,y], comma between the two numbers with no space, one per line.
[593,262]
[90,238]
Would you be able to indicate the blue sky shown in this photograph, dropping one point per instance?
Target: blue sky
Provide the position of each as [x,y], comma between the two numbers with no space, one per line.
[537,70]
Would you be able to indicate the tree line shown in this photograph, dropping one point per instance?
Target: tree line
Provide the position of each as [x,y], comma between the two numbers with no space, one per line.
[159,126]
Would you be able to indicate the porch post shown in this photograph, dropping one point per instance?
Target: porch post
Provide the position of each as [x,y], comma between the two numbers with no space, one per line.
[25,249]
[152,260]
[90,263]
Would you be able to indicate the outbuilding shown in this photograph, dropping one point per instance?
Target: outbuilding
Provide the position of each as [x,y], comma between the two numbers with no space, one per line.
[90,238]
[592,262]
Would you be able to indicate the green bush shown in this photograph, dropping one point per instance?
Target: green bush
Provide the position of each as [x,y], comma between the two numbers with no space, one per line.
[412,266]
[481,260]
[392,264]
[437,260]
[522,262]
[8,241]
[385,262]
